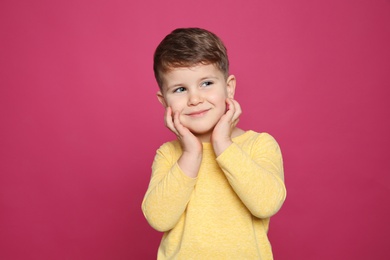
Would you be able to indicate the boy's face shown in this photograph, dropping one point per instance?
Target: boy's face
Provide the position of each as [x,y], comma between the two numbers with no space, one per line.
[199,95]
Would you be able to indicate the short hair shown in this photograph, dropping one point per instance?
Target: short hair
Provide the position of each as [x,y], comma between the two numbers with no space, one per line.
[188,47]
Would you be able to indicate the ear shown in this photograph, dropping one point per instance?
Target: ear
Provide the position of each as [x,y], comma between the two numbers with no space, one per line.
[161,98]
[231,86]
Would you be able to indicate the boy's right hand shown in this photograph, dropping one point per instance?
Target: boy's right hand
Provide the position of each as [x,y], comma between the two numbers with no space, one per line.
[192,148]
[190,143]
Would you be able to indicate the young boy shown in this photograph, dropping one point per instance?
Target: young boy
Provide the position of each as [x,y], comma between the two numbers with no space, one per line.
[214,189]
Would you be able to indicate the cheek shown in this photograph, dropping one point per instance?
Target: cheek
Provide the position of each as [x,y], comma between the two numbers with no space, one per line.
[223,104]
[219,100]
[176,105]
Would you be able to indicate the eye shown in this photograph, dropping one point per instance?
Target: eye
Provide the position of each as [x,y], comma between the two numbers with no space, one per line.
[179,90]
[207,83]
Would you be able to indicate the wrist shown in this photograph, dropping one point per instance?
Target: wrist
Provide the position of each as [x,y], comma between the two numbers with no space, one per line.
[221,145]
[192,155]
[189,163]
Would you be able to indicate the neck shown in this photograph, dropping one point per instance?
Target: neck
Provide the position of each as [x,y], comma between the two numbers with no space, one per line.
[206,137]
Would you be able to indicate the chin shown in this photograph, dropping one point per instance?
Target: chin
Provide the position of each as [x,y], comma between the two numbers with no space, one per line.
[201,131]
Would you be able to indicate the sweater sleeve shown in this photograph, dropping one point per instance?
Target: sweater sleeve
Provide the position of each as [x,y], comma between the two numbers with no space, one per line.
[169,191]
[257,175]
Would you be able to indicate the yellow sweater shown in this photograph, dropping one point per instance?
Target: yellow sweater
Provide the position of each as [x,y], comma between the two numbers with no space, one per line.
[224,212]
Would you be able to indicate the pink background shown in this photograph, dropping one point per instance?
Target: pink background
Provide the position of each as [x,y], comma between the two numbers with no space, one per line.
[80,121]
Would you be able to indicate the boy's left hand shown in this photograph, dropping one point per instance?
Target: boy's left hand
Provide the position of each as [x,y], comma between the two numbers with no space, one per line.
[221,137]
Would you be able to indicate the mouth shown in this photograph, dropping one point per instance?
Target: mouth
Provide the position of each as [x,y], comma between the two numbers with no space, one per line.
[199,113]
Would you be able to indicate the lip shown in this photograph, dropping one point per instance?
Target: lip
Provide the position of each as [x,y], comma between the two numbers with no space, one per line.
[198,113]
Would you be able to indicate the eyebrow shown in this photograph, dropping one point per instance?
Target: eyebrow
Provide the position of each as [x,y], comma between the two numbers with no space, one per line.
[208,77]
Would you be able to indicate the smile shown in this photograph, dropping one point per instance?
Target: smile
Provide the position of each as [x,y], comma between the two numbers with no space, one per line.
[199,113]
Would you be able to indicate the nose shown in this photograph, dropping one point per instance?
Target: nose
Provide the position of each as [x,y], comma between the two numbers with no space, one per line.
[194,98]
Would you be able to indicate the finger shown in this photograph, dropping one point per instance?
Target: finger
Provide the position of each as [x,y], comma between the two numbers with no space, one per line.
[236,122]
[178,125]
[169,121]
[238,110]
[230,106]
[168,117]
[229,115]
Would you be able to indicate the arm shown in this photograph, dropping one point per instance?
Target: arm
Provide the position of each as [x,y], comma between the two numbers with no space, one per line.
[191,157]
[173,179]
[169,191]
[256,177]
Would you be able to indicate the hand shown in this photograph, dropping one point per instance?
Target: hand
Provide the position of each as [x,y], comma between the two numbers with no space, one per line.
[189,142]
[192,148]
[221,137]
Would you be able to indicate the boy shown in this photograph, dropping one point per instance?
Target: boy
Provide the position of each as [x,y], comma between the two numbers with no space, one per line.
[214,189]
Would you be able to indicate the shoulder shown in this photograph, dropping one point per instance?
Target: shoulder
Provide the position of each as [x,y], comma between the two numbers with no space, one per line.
[251,136]
[255,140]
[170,148]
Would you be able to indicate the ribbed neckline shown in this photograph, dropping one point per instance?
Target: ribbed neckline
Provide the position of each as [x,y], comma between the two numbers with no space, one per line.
[237,139]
